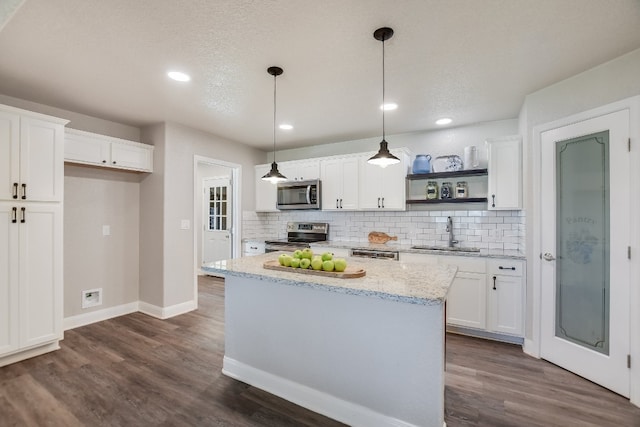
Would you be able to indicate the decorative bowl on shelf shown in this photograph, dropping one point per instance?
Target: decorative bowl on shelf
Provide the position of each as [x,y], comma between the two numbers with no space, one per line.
[451,163]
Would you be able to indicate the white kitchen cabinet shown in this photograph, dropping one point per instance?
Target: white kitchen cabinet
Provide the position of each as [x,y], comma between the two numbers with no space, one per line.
[300,170]
[506,296]
[30,279]
[266,192]
[505,173]
[31,152]
[339,178]
[383,188]
[100,150]
[466,301]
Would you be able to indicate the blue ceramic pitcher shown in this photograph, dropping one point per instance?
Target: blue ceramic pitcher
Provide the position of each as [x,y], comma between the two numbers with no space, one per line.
[422,163]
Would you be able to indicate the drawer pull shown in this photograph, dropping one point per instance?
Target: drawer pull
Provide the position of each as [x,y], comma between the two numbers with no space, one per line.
[507,268]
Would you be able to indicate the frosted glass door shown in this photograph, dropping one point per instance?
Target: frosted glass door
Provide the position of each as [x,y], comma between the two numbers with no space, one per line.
[582,276]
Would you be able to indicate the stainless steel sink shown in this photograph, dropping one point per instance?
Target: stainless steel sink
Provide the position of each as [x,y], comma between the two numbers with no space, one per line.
[445,248]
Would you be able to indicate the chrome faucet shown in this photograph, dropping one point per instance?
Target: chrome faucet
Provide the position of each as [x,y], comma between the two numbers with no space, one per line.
[450,231]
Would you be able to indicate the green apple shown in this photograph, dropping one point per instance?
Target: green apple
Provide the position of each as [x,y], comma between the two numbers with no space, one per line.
[295,262]
[327,256]
[316,263]
[328,265]
[281,258]
[287,260]
[307,253]
[297,254]
[305,263]
[340,264]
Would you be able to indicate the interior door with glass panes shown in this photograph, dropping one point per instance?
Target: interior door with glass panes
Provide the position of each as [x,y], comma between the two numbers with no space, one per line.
[216,239]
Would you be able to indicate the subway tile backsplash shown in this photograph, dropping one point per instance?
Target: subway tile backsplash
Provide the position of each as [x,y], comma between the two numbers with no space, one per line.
[486,230]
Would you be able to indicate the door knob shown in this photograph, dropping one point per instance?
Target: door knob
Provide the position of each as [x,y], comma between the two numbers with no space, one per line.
[548,257]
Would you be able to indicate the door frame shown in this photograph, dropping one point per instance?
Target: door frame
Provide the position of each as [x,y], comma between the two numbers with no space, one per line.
[533,341]
[236,223]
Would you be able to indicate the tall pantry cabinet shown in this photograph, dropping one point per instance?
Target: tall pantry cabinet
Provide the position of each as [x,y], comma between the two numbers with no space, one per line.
[31,196]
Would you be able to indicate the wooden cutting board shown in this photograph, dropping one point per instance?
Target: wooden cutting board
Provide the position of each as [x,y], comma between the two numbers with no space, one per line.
[380,237]
[351,272]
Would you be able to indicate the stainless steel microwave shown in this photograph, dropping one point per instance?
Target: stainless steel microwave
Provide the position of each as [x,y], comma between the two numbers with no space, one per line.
[299,195]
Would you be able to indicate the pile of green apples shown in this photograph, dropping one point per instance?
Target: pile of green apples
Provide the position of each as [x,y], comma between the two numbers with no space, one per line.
[304,258]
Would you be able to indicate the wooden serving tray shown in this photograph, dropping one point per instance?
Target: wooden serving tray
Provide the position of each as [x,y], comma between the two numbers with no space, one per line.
[350,272]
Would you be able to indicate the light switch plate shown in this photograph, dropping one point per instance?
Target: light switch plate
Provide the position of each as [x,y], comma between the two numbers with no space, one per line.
[185,224]
[106,230]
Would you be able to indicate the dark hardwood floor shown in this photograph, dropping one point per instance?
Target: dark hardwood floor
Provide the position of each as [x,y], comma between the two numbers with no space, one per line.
[135,370]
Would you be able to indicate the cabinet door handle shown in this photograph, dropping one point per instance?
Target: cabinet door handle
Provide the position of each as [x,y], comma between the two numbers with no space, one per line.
[383,203]
[114,162]
[340,203]
[493,200]
[104,161]
[24,191]
[337,203]
[378,202]
[506,268]
[15,190]
[494,283]
[14,215]
[23,219]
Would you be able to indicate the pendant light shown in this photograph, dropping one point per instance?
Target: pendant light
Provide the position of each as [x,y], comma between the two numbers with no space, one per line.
[274,176]
[383,158]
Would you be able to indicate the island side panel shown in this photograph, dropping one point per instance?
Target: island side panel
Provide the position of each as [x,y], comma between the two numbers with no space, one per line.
[384,356]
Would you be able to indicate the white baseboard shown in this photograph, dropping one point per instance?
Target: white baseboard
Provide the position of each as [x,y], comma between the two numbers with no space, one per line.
[166,312]
[132,307]
[99,315]
[317,401]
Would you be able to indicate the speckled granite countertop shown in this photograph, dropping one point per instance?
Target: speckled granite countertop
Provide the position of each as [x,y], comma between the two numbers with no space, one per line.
[390,280]
[391,246]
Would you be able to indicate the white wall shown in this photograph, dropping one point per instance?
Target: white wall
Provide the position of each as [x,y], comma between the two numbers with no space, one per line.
[94,198]
[172,253]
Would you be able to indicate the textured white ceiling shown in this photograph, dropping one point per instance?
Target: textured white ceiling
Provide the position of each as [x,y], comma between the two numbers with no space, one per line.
[470,60]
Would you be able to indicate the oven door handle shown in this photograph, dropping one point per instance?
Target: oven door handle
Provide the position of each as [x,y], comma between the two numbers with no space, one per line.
[308,194]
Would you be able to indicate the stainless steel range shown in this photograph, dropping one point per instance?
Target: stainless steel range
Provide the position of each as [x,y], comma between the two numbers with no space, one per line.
[299,236]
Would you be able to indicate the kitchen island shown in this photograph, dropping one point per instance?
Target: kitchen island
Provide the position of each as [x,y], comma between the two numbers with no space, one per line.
[367,351]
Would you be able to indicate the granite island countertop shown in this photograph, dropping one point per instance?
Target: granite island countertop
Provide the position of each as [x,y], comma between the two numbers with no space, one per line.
[391,280]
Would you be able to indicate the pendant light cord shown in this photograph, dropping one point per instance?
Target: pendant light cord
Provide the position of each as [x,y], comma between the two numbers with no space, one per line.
[383,107]
[274,118]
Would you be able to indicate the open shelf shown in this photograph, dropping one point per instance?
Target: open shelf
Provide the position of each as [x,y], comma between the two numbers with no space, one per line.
[437,201]
[469,172]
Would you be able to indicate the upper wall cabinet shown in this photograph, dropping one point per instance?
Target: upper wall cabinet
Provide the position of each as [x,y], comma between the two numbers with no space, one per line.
[383,188]
[31,150]
[339,183]
[300,170]
[266,193]
[505,173]
[100,150]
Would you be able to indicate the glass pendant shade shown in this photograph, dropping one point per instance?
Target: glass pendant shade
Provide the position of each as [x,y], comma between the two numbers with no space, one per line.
[274,176]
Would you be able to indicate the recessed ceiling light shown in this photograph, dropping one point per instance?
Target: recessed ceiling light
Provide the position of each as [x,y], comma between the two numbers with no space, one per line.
[285,126]
[178,76]
[389,106]
[443,121]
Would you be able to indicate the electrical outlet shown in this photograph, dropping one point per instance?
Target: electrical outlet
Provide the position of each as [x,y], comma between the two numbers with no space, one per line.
[91,297]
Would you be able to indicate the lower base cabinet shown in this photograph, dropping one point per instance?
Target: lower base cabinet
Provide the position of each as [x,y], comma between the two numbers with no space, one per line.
[487,295]
[30,279]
